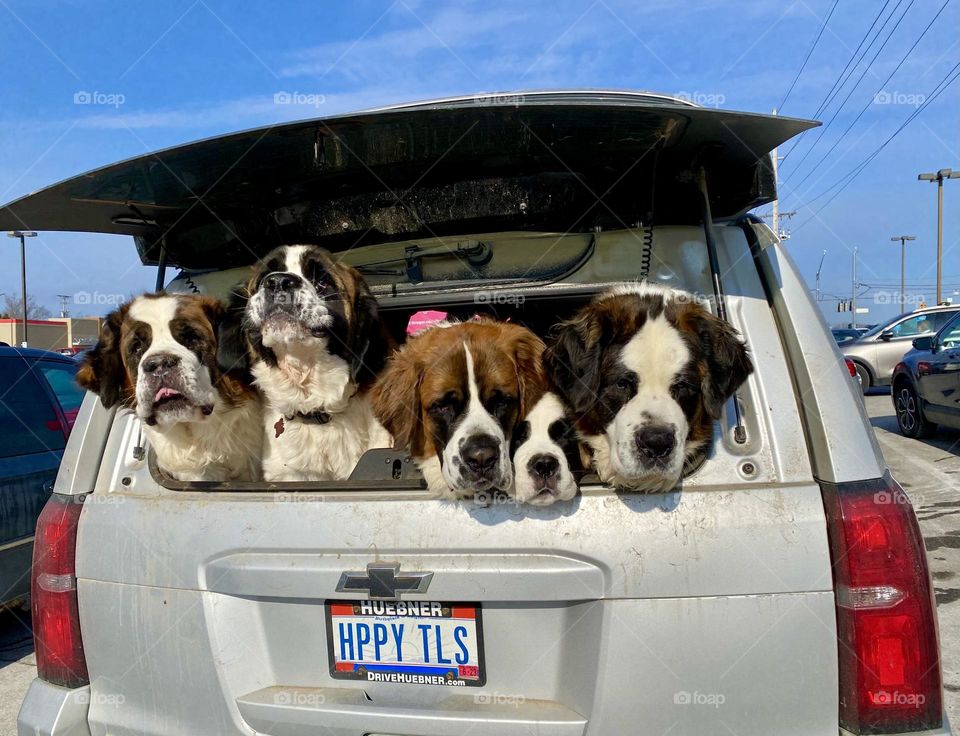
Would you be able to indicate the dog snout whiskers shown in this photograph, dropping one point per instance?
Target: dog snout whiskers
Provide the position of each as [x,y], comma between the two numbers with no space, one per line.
[655,443]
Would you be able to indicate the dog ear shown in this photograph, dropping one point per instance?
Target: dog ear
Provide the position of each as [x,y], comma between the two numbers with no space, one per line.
[572,360]
[531,374]
[396,402]
[232,353]
[728,362]
[103,371]
[369,341]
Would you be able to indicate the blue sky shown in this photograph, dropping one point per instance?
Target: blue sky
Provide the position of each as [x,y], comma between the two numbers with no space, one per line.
[171,72]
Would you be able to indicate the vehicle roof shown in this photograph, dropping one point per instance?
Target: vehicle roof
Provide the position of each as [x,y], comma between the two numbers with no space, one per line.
[529,160]
[12,352]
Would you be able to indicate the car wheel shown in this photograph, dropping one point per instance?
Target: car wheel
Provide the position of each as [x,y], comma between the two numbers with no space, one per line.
[864,375]
[909,414]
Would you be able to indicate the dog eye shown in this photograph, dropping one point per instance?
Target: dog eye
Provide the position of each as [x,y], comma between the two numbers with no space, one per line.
[502,401]
[626,383]
[684,390]
[443,406]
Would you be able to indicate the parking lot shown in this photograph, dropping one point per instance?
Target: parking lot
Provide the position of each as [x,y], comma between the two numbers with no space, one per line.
[928,470]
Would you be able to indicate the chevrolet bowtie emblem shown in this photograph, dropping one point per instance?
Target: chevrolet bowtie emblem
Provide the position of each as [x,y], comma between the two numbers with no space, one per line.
[383,581]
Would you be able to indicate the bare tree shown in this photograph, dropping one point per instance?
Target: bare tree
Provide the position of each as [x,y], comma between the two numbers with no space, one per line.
[12,308]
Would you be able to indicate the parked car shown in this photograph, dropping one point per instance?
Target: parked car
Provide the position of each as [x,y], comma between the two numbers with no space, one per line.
[759,593]
[38,407]
[927,381]
[843,335]
[878,350]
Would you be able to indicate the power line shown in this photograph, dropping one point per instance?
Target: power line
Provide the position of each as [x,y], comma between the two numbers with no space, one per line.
[823,27]
[874,97]
[850,93]
[828,98]
[941,86]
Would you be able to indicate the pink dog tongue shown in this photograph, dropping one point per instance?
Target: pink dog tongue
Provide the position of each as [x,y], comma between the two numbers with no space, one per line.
[164,393]
[419,321]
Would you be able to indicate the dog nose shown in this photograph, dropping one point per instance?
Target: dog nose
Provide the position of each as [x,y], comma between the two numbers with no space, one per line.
[160,361]
[481,454]
[655,442]
[546,466]
[278,282]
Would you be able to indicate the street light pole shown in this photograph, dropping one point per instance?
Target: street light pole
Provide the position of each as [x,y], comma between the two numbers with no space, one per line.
[939,177]
[820,268]
[22,234]
[903,242]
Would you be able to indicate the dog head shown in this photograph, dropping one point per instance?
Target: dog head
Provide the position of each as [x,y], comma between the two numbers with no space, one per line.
[646,371]
[300,299]
[455,393]
[157,355]
[545,448]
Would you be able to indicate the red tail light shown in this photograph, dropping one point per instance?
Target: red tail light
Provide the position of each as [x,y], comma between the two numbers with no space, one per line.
[851,368]
[886,620]
[56,616]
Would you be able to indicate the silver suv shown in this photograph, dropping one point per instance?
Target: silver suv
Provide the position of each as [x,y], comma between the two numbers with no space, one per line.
[879,349]
[782,587]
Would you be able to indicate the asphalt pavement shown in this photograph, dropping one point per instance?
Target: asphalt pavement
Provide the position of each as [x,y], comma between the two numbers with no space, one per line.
[929,471]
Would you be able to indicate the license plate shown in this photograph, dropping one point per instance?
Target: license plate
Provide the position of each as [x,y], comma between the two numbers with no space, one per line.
[406,642]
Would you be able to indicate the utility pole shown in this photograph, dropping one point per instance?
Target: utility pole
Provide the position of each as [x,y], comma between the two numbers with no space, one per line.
[776,184]
[853,291]
[23,273]
[939,177]
[820,268]
[903,242]
[63,305]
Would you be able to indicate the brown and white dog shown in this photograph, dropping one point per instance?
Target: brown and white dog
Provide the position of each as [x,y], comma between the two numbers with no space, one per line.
[310,329]
[454,393]
[157,355]
[646,370]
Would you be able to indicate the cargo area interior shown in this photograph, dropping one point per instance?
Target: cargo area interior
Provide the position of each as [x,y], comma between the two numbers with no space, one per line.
[532,279]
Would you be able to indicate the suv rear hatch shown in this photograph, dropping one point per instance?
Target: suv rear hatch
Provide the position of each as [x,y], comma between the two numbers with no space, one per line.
[218,609]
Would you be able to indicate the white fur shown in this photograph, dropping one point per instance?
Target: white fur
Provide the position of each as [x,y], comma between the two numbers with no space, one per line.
[545,412]
[308,378]
[656,353]
[191,445]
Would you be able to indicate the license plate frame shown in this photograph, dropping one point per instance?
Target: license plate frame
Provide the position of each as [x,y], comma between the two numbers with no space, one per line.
[414,671]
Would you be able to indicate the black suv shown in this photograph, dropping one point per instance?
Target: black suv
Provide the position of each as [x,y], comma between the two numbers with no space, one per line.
[926,383]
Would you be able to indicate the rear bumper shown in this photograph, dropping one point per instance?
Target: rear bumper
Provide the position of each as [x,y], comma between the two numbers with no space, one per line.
[49,710]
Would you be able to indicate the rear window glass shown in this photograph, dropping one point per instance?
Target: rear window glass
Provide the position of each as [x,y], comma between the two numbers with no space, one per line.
[61,377]
[28,420]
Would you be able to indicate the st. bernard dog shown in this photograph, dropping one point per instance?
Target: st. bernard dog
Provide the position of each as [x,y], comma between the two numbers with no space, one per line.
[545,451]
[157,355]
[454,393]
[646,370]
[311,331]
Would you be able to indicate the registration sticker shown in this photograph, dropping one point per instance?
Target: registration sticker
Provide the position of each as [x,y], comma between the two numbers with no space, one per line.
[406,642]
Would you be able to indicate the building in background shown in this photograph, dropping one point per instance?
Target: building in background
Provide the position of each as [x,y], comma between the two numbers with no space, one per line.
[74,333]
